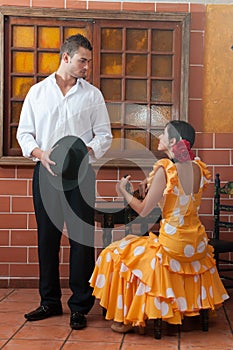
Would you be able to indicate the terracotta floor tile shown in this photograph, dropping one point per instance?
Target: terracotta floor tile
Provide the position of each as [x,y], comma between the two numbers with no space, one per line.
[72,345]
[33,345]
[105,335]
[42,332]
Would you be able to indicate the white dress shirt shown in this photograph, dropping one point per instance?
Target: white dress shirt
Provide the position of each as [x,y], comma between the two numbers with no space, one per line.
[47,115]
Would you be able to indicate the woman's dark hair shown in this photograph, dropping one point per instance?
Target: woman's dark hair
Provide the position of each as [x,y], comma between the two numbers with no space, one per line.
[72,44]
[180,129]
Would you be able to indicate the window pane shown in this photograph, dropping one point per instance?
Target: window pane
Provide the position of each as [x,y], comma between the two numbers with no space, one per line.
[136,39]
[74,31]
[23,62]
[136,65]
[160,115]
[49,37]
[15,111]
[136,90]
[48,62]
[111,64]
[111,39]
[23,36]
[111,89]
[154,140]
[14,142]
[162,40]
[20,86]
[114,111]
[135,139]
[161,66]
[161,91]
[117,140]
[136,115]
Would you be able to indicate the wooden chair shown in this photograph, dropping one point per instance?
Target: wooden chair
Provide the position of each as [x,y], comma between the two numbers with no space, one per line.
[222,230]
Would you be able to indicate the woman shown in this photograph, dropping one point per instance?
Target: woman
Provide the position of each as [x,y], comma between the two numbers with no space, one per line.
[173,275]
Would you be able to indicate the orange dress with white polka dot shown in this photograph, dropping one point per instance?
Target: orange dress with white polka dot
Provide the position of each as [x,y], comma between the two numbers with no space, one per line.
[169,276]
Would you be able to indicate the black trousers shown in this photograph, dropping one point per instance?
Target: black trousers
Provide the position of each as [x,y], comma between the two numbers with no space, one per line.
[53,208]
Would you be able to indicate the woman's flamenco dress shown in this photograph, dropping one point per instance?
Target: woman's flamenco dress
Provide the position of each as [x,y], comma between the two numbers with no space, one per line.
[169,276]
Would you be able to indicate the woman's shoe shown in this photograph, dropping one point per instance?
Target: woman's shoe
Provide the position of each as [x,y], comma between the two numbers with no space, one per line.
[121,327]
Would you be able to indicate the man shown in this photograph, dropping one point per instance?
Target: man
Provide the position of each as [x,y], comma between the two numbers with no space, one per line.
[64,104]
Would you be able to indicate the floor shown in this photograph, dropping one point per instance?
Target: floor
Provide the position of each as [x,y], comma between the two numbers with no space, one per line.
[55,334]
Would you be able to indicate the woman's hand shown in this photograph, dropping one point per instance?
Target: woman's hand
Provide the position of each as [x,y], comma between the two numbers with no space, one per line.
[124,185]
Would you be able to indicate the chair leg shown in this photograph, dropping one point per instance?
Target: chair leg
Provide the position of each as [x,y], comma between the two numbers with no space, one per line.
[158,328]
[104,311]
[205,320]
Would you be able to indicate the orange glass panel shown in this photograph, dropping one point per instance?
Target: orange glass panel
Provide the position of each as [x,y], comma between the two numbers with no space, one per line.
[111,64]
[136,89]
[13,141]
[160,115]
[15,111]
[136,39]
[111,89]
[23,36]
[161,66]
[162,40]
[23,62]
[161,91]
[136,115]
[136,65]
[48,62]
[154,141]
[49,37]
[114,111]
[73,31]
[135,139]
[117,140]
[111,39]
[20,86]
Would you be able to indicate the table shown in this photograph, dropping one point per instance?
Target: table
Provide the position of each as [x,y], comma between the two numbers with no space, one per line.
[112,213]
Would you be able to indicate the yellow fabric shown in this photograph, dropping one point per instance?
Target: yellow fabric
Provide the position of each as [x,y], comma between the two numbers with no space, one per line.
[170,276]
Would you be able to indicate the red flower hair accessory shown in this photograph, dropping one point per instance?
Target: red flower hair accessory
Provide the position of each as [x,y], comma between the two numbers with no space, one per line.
[182,151]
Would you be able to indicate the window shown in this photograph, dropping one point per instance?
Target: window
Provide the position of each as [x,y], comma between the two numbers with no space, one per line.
[140,64]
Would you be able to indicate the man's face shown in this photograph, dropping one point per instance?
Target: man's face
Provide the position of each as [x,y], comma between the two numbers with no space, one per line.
[77,66]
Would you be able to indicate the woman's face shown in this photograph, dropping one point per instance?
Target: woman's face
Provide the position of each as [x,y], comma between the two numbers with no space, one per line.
[164,141]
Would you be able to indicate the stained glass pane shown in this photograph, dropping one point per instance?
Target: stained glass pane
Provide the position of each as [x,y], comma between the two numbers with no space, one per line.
[111,39]
[111,64]
[154,141]
[162,40]
[114,111]
[135,139]
[111,89]
[160,115]
[14,142]
[161,91]
[161,65]
[49,37]
[117,140]
[20,86]
[23,36]
[136,89]
[136,39]
[73,31]
[15,111]
[48,62]
[136,65]
[136,115]
[23,62]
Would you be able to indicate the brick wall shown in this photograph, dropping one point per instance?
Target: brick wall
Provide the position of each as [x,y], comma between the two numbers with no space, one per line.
[18,241]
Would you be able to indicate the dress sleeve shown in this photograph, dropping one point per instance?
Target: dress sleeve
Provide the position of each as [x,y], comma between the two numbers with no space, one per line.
[171,174]
[205,173]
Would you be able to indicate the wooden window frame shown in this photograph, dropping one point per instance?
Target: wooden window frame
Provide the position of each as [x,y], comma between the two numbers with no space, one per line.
[182,18]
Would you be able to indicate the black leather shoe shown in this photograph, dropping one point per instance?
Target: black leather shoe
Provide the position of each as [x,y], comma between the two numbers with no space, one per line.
[77,320]
[43,312]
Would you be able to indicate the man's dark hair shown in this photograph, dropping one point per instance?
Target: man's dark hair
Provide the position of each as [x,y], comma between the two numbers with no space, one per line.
[72,44]
[179,129]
